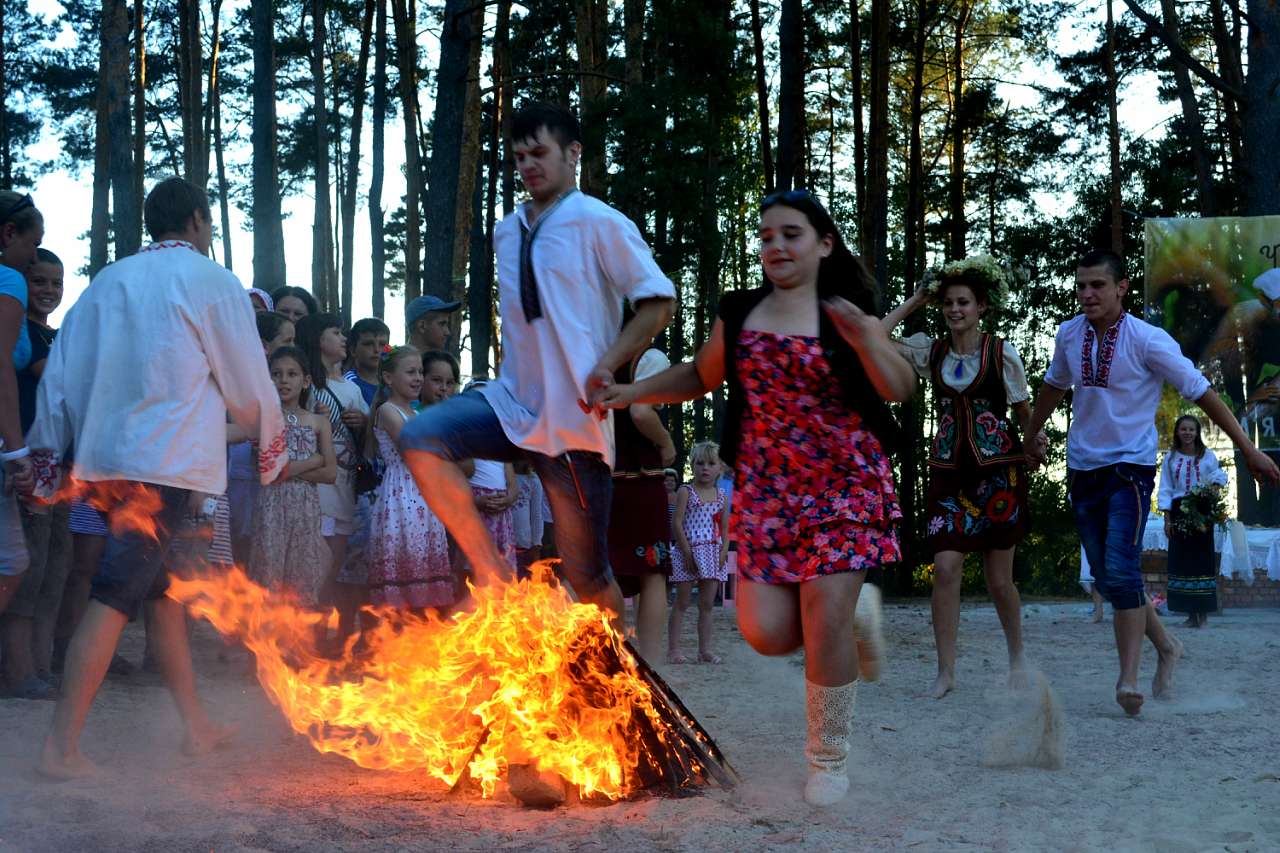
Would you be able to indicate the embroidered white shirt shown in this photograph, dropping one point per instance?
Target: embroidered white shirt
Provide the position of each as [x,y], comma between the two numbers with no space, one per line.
[1117,385]
[587,259]
[1181,473]
[147,366]
[959,371]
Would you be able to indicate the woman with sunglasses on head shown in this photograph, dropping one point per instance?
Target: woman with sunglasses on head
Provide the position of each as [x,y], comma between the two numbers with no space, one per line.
[809,369]
[21,230]
[977,499]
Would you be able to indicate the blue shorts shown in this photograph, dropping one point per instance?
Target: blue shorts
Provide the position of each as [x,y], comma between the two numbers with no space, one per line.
[133,568]
[1111,506]
[578,484]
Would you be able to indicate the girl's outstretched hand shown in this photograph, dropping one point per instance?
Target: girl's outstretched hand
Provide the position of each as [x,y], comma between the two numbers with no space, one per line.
[856,326]
[615,396]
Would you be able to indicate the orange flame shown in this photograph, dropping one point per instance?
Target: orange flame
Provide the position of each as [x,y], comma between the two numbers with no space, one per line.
[517,679]
[130,507]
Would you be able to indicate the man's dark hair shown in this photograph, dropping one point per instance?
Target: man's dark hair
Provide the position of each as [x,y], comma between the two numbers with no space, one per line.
[171,204]
[561,124]
[1104,258]
[368,326]
[44,256]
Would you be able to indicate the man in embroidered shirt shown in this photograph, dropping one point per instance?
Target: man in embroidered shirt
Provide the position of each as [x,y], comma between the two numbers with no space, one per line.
[1117,364]
[156,353]
[566,262]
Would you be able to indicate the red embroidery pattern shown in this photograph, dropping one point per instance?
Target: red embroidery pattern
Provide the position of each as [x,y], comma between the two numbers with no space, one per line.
[48,471]
[1177,472]
[1106,353]
[168,244]
[268,457]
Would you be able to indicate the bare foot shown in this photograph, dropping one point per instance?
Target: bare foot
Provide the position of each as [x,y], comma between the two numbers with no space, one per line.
[206,739]
[1097,616]
[55,765]
[1130,699]
[1162,683]
[676,657]
[945,683]
[710,657]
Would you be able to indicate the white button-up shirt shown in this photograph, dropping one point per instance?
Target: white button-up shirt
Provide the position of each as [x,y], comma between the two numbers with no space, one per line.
[1117,382]
[146,367]
[587,257]
[1181,473]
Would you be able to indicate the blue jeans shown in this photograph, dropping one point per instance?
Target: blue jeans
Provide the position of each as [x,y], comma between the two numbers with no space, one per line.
[1111,506]
[133,568]
[578,484]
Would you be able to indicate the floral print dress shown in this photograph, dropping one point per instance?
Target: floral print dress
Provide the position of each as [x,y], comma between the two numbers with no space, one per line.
[288,550]
[814,492]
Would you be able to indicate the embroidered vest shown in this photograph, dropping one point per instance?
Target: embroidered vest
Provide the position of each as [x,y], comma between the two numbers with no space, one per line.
[974,427]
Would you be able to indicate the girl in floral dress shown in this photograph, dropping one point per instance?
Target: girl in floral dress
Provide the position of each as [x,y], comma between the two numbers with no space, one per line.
[701,529]
[408,549]
[977,498]
[288,549]
[809,369]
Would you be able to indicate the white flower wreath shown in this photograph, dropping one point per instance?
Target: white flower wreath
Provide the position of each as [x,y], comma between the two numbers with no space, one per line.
[997,274]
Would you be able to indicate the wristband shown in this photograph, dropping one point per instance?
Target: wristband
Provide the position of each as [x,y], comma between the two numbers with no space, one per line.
[14,455]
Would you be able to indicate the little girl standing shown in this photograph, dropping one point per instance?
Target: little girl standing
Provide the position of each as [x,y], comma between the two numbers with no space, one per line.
[701,527]
[288,549]
[809,369]
[408,549]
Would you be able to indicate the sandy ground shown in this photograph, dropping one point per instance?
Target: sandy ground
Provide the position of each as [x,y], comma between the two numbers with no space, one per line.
[1198,772]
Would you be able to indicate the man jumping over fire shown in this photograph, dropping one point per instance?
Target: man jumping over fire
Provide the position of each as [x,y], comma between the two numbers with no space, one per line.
[566,261]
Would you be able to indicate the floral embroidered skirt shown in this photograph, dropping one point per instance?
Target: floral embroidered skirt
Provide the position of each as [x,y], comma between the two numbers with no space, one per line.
[976,509]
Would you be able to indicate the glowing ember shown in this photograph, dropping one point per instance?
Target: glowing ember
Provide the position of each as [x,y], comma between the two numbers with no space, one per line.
[527,676]
[130,506]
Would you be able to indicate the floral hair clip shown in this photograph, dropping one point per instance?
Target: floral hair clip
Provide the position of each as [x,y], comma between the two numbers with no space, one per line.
[387,349]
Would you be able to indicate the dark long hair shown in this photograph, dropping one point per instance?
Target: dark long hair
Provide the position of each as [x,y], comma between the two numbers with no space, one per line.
[310,329]
[842,273]
[1176,445]
[295,353]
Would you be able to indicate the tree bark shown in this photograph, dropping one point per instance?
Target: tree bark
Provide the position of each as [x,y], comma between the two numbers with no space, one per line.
[762,97]
[6,144]
[139,108]
[1113,135]
[353,162]
[591,19]
[1262,110]
[790,93]
[479,299]
[116,38]
[876,212]
[322,273]
[268,225]
[224,195]
[376,228]
[959,226]
[194,166]
[1229,53]
[469,164]
[406,48]
[859,126]
[1191,117]
[100,214]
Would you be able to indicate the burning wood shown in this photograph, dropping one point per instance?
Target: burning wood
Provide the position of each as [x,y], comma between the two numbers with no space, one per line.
[526,677]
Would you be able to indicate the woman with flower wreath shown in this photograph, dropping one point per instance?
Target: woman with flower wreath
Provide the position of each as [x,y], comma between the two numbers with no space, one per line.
[977,497]
[1189,468]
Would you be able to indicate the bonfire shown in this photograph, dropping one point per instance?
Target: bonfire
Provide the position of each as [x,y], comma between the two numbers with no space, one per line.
[523,679]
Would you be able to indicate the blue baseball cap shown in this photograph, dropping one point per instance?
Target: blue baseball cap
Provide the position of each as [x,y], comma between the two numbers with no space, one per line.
[426,305]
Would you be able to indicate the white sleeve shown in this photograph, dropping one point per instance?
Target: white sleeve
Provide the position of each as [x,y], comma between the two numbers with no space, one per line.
[1164,499]
[1211,469]
[653,362]
[1059,373]
[229,337]
[916,350]
[1165,359]
[627,261]
[1015,376]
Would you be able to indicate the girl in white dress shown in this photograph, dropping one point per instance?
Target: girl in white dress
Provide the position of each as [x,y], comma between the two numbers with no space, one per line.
[1193,582]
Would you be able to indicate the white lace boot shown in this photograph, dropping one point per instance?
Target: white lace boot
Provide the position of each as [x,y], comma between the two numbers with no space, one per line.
[868,633]
[830,714]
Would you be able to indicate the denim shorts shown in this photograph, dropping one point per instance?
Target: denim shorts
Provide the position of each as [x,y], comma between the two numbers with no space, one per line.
[578,484]
[133,567]
[1111,506]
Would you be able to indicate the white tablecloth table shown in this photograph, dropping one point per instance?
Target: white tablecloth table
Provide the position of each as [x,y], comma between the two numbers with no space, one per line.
[1243,549]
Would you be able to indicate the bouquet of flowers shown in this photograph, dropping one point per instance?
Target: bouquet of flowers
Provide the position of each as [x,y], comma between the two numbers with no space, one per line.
[1203,508]
[998,275]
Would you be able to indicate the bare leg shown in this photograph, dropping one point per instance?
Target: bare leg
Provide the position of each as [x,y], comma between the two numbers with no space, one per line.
[17,644]
[88,657]
[169,625]
[86,553]
[651,611]
[948,568]
[1169,650]
[1098,611]
[675,624]
[998,567]
[707,590]
[826,612]
[1130,625]
[8,586]
[769,617]
[449,495]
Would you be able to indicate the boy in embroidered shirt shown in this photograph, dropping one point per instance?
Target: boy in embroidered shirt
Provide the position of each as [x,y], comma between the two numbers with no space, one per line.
[1117,364]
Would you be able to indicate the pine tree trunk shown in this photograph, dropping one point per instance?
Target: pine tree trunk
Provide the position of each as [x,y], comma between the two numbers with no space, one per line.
[444,178]
[224,194]
[1113,135]
[1191,117]
[859,127]
[956,248]
[1228,51]
[876,225]
[6,145]
[502,48]
[268,224]
[469,167]
[762,97]
[376,229]
[407,51]
[479,300]
[353,162]
[322,222]
[194,166]
[791,94]
[139,108]
[591,25]
[1262,110]
[100,214]
[116,38]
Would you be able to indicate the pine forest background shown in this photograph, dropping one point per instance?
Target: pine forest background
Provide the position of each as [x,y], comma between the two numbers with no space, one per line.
[930,128]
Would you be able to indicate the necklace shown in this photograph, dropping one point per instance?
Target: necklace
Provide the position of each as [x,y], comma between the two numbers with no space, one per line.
[291,417]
